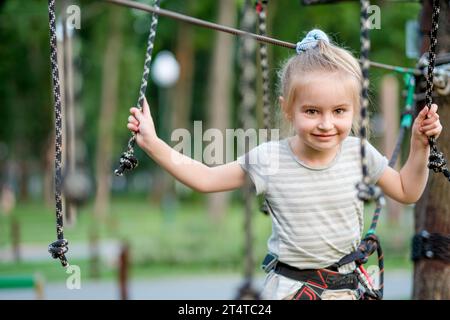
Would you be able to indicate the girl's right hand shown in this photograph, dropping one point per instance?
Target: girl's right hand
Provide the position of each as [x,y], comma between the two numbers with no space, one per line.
[141,123]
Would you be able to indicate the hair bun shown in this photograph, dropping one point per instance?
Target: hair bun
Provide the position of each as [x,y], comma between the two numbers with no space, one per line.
[311,40]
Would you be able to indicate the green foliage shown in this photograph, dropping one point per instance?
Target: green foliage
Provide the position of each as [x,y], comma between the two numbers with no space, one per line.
[25,94]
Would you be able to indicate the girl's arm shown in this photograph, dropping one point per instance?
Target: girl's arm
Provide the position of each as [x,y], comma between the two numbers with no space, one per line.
[407,185]
[190,172]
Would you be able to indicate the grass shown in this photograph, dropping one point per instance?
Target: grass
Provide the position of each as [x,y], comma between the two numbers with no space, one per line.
[184,241]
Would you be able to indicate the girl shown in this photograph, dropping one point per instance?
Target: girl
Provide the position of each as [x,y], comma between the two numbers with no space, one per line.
[308,179]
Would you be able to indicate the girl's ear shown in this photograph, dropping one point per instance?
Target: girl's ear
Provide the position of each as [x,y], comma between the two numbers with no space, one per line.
[284,108]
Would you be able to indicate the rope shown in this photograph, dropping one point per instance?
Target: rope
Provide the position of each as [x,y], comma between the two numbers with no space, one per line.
[59,247]
[127,160]
[261,8]
[366,190]
[436,161]
[237,32]
[407,117]
[248,102]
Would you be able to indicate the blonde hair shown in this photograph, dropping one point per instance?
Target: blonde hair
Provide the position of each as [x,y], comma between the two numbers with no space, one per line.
[325,57]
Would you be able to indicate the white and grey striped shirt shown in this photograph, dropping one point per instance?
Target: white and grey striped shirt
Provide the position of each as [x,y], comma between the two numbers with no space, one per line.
[316,215]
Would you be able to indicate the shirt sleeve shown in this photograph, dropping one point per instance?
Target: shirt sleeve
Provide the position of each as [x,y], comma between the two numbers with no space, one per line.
[376,162]
[254,164]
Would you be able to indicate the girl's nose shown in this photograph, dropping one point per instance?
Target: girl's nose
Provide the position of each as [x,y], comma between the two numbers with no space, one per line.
[325,124]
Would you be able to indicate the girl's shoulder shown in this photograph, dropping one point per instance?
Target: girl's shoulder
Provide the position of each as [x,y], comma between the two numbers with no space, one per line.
[270,146]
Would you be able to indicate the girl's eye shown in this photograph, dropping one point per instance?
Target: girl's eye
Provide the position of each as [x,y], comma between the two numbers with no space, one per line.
[310,111]
[339,111]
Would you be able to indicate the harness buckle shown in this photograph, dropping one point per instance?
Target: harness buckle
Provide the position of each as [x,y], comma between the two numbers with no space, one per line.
[270,262]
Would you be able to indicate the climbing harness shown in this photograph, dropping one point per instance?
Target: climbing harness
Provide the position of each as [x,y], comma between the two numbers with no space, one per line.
[315,282]
[58,248]
[127,160]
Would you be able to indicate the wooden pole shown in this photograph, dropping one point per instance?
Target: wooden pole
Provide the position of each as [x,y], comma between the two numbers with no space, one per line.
[432,212]
[390,109]
[123,271]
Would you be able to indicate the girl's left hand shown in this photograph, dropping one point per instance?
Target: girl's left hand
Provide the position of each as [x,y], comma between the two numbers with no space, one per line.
[427,124]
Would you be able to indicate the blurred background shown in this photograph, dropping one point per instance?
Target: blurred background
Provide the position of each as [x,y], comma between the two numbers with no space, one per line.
[144,235]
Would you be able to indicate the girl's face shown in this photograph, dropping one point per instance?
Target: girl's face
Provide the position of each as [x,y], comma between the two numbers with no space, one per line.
[321,110]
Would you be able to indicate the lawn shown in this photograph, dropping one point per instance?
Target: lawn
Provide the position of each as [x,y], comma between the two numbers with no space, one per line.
[184,241]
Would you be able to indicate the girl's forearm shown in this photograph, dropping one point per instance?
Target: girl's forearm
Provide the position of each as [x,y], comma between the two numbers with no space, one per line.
[414,174]
[192,173]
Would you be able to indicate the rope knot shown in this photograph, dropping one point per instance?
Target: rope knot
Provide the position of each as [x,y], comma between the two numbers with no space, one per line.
[367,247]
[127,162]
[311,40]
[58,248]
[368,192]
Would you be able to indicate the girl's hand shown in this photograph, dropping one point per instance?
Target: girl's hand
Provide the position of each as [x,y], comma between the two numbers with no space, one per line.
[141,123]
[427,124]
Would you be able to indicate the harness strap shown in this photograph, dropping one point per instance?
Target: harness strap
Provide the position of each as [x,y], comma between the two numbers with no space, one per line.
[365,249]
[323,279]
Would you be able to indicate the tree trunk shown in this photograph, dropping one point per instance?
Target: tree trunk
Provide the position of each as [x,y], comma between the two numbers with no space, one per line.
[219,105]
[69,150]
[432,212]
[390,108]
[110,81]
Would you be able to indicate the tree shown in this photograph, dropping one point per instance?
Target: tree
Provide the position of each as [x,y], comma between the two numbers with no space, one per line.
[432,212]
[219,105]
[110,84]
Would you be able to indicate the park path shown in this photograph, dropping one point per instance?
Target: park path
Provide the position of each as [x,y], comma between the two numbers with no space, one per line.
[398,283]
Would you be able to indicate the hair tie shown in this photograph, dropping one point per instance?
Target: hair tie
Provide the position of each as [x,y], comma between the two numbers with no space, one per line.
[311,40]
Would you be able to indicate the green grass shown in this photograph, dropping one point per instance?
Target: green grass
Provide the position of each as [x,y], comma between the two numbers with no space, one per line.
[185,241]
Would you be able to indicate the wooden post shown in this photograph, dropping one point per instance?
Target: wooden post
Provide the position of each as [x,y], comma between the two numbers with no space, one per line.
[432,212]
[39,286]
[123,271]
[15,238]
[69,150]
[390,109]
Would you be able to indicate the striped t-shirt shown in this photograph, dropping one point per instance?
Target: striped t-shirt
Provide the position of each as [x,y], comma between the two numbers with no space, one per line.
[316,215]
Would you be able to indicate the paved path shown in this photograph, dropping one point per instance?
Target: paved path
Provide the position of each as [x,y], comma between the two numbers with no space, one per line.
[398,285]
